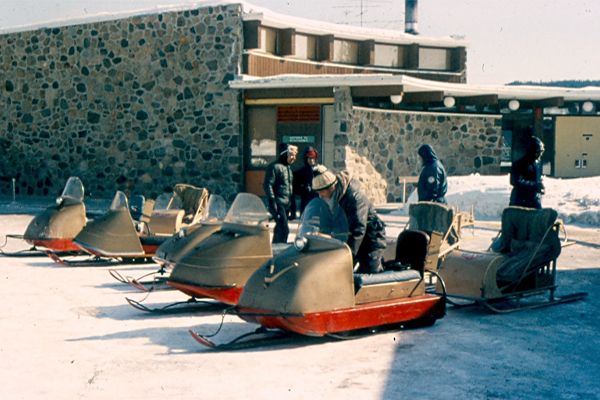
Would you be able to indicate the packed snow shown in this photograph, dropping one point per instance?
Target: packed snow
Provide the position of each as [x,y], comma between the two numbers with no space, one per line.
[576,200]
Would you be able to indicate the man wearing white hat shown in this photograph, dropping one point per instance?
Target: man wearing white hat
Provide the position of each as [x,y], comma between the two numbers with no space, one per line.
[367,231]
[278,188]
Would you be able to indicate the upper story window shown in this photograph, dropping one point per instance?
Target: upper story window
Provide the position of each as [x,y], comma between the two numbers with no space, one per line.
[433,58]
[268,40]
[389,55]
[345,51]
[305,47]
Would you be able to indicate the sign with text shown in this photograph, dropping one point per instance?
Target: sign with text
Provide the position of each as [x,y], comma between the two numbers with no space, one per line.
[298,139]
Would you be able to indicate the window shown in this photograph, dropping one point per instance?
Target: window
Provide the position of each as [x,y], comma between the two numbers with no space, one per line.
[389,55]
[432,58]
[268,40]
[262,123]
[345,51]
[306,47]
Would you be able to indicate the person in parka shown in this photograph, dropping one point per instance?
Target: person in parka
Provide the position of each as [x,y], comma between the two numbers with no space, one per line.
[367,231]
[278,187]
[526,176]
[433,183]
[303,178]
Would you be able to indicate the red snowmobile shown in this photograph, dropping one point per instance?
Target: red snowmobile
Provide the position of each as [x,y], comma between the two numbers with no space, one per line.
[117,236]
[177,246]
[55,228]
[311,289]
[215,261]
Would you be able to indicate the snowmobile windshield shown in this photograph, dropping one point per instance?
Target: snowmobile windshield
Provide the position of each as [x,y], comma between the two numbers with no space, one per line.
[119,201]
[73,190]
[215,210]
[318,217]
[248,209]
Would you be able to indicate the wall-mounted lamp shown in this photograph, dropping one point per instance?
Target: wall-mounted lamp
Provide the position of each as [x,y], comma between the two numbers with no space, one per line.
[587,106]
[514,105]
[449,101]
[396,98]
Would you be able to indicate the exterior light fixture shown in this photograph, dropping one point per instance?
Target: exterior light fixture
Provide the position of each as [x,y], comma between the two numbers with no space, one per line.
[587,106]
[449,101]
[514,105]
[396,98]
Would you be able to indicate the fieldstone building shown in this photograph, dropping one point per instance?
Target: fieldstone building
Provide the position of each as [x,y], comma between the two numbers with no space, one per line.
[204,95]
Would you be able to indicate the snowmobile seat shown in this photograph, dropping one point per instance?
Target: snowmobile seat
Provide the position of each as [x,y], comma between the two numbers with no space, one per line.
[411,251]
[387,285]
[185,208]
[193,201]
[385,277]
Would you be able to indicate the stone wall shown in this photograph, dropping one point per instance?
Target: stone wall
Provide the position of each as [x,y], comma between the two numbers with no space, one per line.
[135,104]
[379,146]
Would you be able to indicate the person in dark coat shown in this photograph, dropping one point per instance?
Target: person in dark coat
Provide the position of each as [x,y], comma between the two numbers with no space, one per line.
[303,177]
[526,176]
[278,186]
[433,183]
[367,231]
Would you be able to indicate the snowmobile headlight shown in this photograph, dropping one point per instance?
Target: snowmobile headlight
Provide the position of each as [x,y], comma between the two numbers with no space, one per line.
[300,243]
[59,200]
[181,233]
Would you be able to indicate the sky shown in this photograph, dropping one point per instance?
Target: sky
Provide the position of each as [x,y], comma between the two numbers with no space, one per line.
[533,40]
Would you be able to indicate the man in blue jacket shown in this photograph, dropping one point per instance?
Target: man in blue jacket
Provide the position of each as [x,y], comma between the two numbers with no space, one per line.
[433,183]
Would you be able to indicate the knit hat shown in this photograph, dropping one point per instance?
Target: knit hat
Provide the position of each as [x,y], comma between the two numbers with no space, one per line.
[323,178]
[311,152]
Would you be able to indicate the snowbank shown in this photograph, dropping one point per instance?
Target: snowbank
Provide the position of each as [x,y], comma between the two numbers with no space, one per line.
[576,200]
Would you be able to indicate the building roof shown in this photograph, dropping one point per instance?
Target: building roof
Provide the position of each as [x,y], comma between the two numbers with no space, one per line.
[387,84]
[94,11]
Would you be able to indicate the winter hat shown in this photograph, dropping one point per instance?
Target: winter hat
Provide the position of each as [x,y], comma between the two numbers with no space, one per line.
[287,148]
[323,178]
[311,152]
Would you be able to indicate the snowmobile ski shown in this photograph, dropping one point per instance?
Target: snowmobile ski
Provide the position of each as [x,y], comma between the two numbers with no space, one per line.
[156,283]
[508,307]
[190,305]
[269,338]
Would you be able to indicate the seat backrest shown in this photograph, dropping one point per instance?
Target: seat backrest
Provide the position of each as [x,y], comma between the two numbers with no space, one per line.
[411,249]
[431,217]
[136,206]
[529,239]
[523,224]
[193,200]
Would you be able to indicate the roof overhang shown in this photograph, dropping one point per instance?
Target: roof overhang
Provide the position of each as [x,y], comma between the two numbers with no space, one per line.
[422,90]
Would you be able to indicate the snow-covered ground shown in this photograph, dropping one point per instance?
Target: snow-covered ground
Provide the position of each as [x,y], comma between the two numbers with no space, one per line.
[576,200]
[68,333]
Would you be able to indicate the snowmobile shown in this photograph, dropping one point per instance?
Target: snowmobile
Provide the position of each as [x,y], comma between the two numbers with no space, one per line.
[174,248]
[116,236]
[518,268]
[216,265]
[55,228]
[311,288]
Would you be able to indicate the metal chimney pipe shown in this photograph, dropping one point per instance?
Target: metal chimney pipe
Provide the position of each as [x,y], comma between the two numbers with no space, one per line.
[410,16]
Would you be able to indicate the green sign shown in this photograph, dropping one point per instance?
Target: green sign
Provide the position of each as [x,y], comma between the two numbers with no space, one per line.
[298,139]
